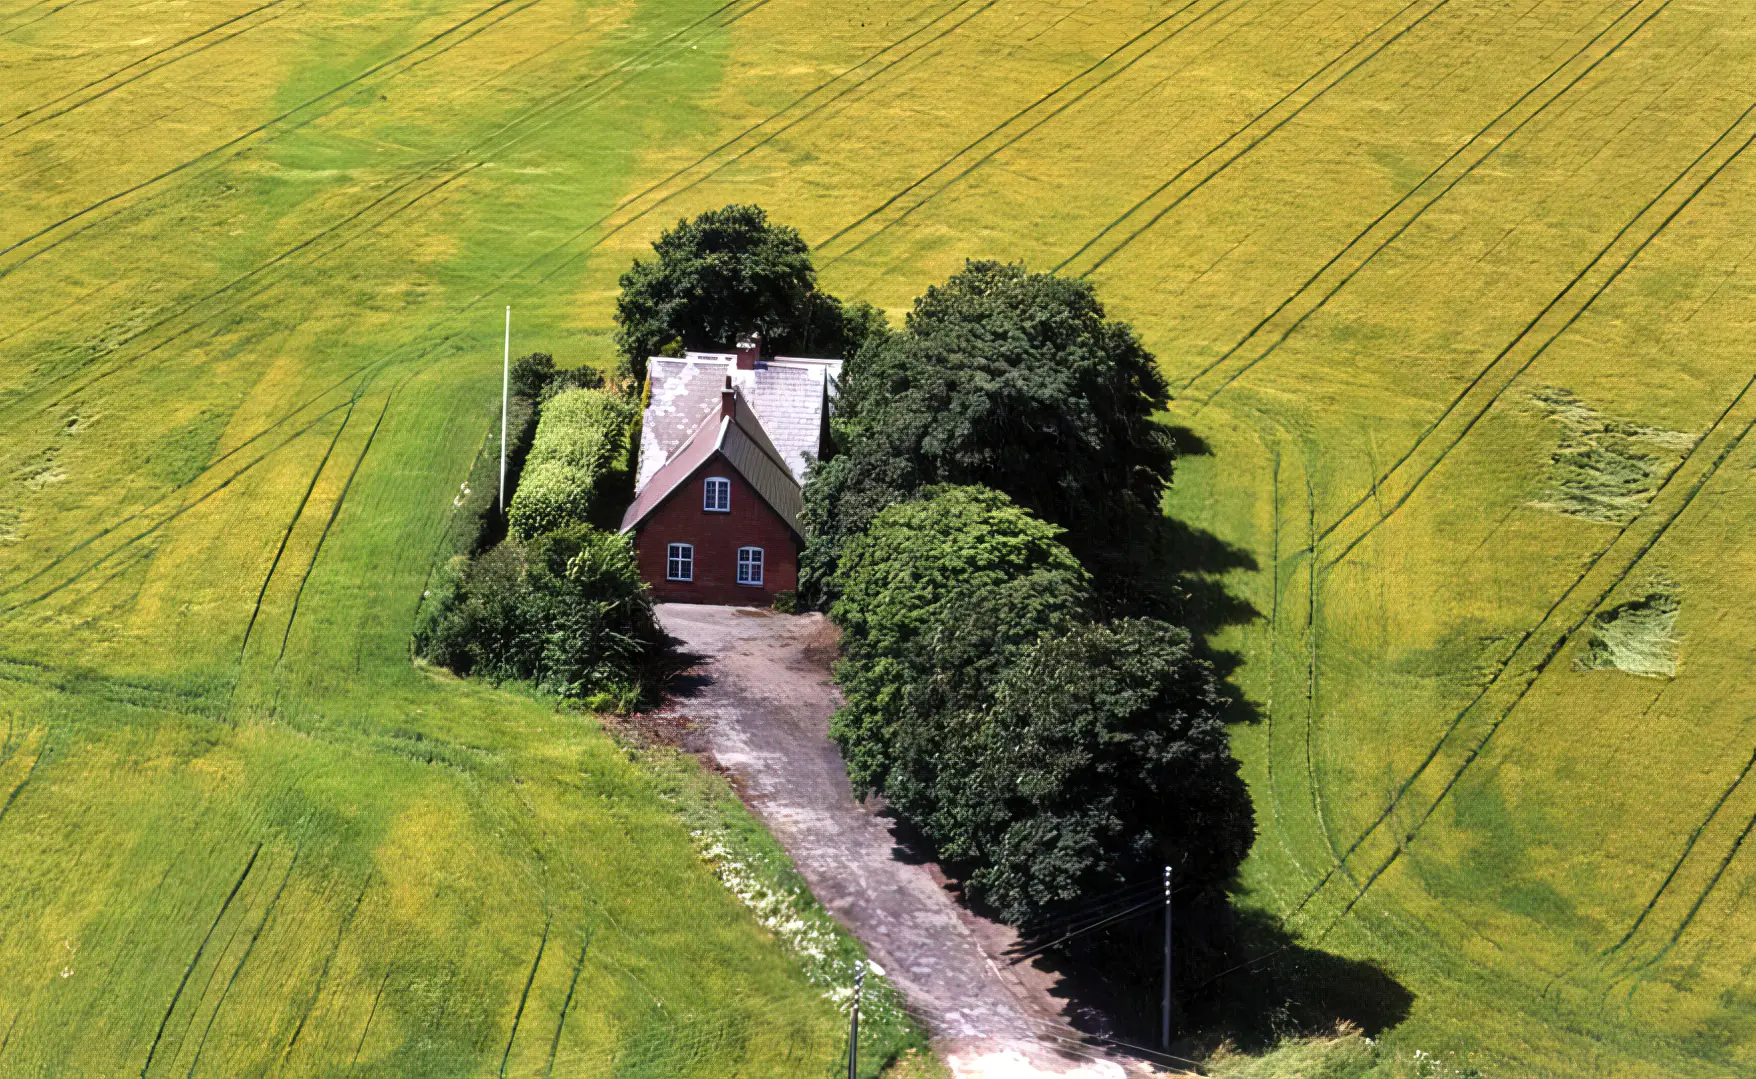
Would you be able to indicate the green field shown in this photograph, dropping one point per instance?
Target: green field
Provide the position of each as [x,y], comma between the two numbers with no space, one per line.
[1457,294]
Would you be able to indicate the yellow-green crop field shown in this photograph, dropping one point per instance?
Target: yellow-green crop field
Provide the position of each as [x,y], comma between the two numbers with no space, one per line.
[1459,296]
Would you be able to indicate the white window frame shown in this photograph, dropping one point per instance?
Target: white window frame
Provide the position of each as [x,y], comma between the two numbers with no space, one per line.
[724,487]
[680,555]
[745,564]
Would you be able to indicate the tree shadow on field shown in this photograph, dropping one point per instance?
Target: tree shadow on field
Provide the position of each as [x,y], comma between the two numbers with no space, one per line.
[1264,987]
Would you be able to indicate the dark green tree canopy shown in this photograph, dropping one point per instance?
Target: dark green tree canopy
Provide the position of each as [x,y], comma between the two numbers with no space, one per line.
[1007,379]
[727,273]
[1104,757]
[934,597]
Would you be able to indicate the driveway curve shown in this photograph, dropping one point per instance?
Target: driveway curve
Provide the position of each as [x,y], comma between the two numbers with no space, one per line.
[762,699]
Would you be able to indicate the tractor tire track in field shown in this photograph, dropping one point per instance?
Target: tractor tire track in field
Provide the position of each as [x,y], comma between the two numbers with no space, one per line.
[227,482]
[190,969]
[334,512]
[747,151]
[524,998]
[1542,667]
[1505,664]
[239,969]
[1676,867]
[305,106]
[1433,7]
[278,260]
[1552,306]
[555,101]
[298,512]
[211,466]
[1469,169]
[351,218]
[1008,122]
[370,1015]
[323,973]
[1695,907]
[1311,712]
[561,1019]
[12,127]
[346,84]
[29,774]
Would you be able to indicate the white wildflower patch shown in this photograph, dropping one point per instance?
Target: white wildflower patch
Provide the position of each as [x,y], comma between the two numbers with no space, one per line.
[829,956]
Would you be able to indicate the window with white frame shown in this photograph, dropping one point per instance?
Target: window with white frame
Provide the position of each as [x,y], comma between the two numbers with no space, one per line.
[717,497]
[749,565]
[680,562]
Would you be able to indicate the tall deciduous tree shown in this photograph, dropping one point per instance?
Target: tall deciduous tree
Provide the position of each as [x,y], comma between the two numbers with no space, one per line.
[1103,758]
[727,273]
[1011,380]
[935,598]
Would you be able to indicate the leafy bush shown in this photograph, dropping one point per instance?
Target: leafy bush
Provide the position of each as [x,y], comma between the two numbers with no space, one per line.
[578,469]
[1007,379]
[567,612]
[934,597]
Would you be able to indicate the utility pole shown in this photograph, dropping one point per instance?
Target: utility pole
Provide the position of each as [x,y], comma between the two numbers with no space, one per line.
[854,1025]
[1165,1025]
[505,392]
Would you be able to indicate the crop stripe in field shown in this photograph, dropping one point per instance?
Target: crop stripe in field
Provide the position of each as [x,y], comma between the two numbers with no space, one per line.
[352,81]
[1362,236]
[1242,131]
[215,463]
[328,230]
[1512,654]
[323,974]
[190,969]
[1536,675]
[770,137]
[1008,122]
[298,512]
[246,135]
[32,111]
[123,363]
[561,1019]
[524,998]
[552,103]
[334,512]
[1553,303]
[130,541]
[245,958]
[1676,867]
[1311,711]
[704,158]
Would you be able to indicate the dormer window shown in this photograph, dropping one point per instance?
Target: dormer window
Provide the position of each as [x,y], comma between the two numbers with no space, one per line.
[717,495]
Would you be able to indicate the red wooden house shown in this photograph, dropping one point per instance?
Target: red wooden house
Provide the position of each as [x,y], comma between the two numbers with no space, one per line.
[724,445]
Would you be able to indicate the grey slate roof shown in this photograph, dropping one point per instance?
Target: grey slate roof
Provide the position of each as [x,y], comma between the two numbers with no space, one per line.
[790,397]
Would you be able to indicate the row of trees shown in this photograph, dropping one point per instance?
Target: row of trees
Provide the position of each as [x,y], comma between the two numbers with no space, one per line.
[983,537]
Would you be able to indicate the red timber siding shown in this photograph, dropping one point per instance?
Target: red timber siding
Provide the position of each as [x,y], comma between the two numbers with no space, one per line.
[717,537]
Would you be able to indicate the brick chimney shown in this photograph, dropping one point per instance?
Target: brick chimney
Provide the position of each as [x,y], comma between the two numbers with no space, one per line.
[749,351]
[728,397]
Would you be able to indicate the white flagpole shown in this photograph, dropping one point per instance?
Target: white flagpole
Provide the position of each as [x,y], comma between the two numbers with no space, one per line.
[505,391]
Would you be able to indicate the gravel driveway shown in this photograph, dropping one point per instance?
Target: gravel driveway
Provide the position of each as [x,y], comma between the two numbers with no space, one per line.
[763,707]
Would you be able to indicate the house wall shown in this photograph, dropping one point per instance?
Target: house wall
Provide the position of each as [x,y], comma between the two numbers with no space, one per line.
[717,537]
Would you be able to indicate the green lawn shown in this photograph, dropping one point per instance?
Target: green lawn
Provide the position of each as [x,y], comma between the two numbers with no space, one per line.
[253,288]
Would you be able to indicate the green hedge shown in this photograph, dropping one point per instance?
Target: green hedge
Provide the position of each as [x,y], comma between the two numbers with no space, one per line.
[566,612]
[579,469]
